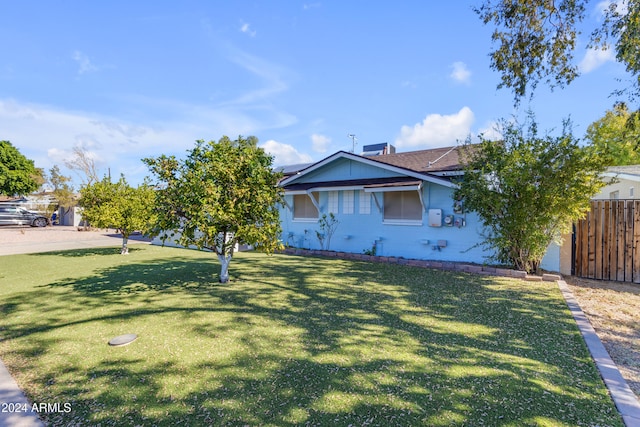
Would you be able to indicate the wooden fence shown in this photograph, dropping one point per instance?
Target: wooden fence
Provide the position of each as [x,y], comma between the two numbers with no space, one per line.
[607,242]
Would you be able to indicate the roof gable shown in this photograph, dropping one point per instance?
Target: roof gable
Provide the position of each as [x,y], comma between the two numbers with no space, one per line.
[320,171]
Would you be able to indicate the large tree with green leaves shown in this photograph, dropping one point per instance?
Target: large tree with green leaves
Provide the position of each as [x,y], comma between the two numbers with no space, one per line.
[18,175]
[616,136]
[222,194]
[118,205]
[536,40]
[527,189]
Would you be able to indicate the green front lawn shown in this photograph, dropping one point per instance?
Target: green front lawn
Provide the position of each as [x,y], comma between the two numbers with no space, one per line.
[290,341]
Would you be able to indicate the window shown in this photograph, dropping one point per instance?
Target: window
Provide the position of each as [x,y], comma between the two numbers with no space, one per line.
[402,206]
[347,202]
[364,203]
[615,195]
[303,207]
[333,202]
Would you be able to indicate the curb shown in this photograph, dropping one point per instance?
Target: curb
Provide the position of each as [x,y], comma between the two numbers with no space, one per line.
[622,395]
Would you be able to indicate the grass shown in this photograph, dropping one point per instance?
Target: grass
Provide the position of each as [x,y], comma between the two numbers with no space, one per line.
[290,341]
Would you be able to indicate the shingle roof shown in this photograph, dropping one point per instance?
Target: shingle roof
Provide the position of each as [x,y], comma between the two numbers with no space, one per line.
[437,162]
[425,161]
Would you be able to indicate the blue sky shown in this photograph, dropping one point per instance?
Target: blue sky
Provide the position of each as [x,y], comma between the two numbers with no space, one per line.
[131,79]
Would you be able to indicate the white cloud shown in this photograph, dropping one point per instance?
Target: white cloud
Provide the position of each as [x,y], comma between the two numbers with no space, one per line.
[284,154]
[594,58]
[47,135]
[621,7]
[320,143]
[408,84]
[246,28]
[252,102]
[269,73]
[460,73]
[491,132]
[84,62]
[437,130]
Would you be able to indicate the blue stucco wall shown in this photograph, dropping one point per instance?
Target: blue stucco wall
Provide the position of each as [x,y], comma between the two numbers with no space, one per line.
[346,169]
[358,232]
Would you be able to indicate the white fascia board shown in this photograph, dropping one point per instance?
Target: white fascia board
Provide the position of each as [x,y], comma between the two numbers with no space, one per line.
[447,173]
[319,189]
[390,189]
[345,188]
[621,175]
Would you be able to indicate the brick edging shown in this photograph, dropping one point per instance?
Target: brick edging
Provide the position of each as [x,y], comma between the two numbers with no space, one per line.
[439,265]
[624,398]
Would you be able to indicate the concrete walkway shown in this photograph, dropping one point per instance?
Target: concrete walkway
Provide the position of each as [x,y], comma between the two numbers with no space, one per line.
[15,408]
[624,398]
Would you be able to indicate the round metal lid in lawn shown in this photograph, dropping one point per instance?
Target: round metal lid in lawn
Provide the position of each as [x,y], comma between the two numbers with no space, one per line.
[123,340]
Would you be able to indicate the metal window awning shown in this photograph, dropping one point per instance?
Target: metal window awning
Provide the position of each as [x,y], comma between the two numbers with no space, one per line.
[372,186]
[395,186]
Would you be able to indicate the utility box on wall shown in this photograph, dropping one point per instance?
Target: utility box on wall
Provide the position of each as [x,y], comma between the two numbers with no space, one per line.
[435,217]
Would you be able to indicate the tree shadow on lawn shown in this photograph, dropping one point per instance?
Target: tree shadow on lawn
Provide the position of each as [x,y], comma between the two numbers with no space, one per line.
[374,344]
[88,252]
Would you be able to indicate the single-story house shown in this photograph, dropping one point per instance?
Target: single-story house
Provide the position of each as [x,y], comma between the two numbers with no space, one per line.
[626,183]
[393,204]
[625,186]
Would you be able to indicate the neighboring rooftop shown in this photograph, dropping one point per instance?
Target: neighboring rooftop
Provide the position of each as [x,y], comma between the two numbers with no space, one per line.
[288,170]
[629,170]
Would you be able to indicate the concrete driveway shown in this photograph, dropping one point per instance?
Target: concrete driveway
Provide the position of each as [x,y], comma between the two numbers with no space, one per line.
[22,240]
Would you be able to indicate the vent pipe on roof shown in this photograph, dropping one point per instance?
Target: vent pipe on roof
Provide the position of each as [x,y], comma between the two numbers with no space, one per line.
[439,158]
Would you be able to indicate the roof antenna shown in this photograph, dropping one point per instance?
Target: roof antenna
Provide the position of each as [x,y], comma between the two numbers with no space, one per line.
[353,141]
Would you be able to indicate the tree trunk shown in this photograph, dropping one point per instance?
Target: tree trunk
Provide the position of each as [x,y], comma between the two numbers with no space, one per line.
[224,267]
[125,248]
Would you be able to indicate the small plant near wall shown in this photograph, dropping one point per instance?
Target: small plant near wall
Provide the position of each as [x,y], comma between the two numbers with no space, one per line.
[328,225]
[371,251]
